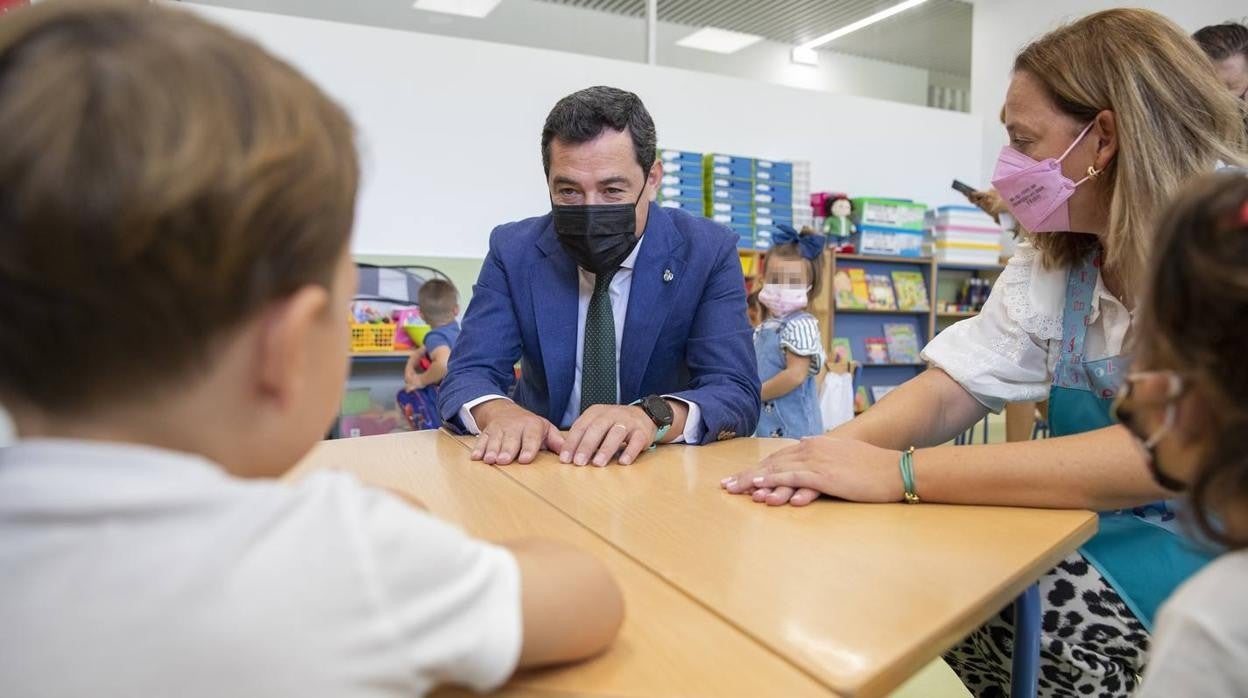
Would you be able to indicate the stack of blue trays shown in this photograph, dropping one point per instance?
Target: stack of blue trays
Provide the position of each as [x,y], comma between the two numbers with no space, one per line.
[729,182]
[773,199]
[682,185]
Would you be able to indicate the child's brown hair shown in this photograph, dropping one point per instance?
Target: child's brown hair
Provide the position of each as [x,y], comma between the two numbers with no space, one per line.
[437,299]
[161,180]
[1194,321]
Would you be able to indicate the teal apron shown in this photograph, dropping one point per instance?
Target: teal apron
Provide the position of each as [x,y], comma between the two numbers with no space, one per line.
[1141,552]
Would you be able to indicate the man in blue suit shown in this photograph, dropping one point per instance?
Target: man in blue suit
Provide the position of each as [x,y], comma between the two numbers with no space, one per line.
[628,319]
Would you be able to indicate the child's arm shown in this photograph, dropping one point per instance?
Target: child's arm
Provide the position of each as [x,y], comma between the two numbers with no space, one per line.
[571,605]
[795,371]
[410,375]
[438,362]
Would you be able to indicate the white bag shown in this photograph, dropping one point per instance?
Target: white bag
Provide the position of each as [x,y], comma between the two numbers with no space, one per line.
[837,402]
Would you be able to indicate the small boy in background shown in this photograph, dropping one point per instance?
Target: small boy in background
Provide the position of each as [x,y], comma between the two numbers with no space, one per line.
[439,306]
[163,179]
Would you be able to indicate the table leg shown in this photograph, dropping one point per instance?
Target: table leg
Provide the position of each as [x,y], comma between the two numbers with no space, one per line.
[1026,644]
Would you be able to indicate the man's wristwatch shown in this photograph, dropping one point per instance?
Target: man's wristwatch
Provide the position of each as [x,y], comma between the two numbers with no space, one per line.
[659,412]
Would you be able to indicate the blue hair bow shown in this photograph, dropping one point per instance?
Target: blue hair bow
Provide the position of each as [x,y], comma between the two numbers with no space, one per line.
[809,245]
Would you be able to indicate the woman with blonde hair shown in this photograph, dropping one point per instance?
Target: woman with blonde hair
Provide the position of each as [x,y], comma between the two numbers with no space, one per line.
[1107,116]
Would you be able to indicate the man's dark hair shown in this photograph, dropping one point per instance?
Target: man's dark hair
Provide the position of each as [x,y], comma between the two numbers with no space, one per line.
[582,116]
[1221,41]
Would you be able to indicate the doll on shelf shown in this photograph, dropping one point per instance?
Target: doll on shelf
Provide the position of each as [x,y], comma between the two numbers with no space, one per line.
[839,225]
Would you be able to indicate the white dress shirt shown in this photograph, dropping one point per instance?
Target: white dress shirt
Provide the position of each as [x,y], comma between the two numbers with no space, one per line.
[621,286]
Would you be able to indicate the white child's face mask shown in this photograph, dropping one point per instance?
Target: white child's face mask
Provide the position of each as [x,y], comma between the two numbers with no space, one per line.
[782,300]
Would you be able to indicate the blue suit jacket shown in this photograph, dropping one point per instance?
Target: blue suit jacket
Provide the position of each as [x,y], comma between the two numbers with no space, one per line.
[688,338]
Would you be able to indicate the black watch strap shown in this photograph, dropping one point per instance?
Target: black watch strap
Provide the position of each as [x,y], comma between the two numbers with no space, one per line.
[657,409]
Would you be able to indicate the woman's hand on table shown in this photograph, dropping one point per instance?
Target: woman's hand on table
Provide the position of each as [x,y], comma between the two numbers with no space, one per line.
[844,468]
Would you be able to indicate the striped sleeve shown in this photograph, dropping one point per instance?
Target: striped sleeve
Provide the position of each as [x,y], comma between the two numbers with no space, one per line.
[801,336]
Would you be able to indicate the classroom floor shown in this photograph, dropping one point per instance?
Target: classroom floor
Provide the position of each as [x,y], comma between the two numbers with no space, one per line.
[936,680]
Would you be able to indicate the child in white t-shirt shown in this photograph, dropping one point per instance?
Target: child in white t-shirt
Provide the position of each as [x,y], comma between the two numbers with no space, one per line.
[180,202]
[1187,404]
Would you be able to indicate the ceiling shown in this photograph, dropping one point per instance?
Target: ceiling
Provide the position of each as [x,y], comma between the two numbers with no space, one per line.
[935,35]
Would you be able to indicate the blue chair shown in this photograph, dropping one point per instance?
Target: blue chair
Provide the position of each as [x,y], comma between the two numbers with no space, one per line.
[1040,430]
[1026,661]
[969,436]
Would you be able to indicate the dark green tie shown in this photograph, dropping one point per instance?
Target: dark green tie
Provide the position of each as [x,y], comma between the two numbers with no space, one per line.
[598,357]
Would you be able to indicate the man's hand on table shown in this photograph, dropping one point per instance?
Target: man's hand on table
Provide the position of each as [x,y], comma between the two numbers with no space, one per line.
[511,433]
[602,434]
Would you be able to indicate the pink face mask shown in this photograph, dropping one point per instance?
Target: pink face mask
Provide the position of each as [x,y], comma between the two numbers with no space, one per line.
[782,300]
[1037,192]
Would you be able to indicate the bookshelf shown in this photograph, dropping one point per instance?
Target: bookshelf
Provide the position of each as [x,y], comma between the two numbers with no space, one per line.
[940,278]
[941,281]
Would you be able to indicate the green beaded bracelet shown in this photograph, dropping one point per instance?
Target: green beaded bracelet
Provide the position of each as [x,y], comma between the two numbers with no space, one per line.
[907,475]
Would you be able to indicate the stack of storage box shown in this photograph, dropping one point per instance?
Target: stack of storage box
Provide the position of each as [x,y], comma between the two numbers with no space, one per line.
[965,235]
[729,185]
[773,199]
[803,215]
[682,183]
[892,227]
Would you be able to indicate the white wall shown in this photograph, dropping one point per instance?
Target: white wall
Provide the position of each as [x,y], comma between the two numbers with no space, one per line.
[1001,28]
[450,127]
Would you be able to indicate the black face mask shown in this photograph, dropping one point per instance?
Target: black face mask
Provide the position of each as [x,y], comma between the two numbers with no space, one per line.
[598,238]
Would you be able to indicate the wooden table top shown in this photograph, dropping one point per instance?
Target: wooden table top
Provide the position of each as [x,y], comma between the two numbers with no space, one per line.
[860,596]
[670,645]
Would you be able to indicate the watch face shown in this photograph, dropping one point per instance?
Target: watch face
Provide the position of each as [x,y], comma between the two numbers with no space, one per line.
[659,410]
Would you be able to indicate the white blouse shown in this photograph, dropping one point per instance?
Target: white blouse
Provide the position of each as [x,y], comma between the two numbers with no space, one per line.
[1008,352]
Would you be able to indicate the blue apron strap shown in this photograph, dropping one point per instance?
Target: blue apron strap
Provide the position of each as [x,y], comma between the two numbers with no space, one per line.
[1076,316]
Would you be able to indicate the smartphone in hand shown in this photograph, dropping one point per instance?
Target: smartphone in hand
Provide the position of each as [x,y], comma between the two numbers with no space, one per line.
[965,189]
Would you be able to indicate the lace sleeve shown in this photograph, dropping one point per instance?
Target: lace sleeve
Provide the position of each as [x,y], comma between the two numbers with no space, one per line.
[1002,355]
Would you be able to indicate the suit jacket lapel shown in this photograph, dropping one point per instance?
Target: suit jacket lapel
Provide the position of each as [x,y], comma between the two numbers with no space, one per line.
[650,300]
[554,288]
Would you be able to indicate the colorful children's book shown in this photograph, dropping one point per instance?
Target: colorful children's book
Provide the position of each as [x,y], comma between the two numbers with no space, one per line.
[881,292]
[911,290]
[877,350]
[851,288]
[879,391]
[842,352]
[903,343]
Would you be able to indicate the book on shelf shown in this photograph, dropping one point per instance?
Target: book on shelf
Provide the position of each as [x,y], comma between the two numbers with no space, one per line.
[860,399]
[911,290]
[903,343]
[877,350]
[879,391]
[842,352]
[851,288]
[880,288]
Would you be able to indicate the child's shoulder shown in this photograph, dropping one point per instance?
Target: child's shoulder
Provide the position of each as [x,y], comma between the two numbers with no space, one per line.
[801,321]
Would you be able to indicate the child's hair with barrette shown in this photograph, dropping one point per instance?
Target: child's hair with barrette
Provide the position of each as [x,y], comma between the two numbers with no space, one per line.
[806,245]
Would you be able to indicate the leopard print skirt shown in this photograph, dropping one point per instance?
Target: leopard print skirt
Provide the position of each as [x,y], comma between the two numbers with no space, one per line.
[1091,643]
